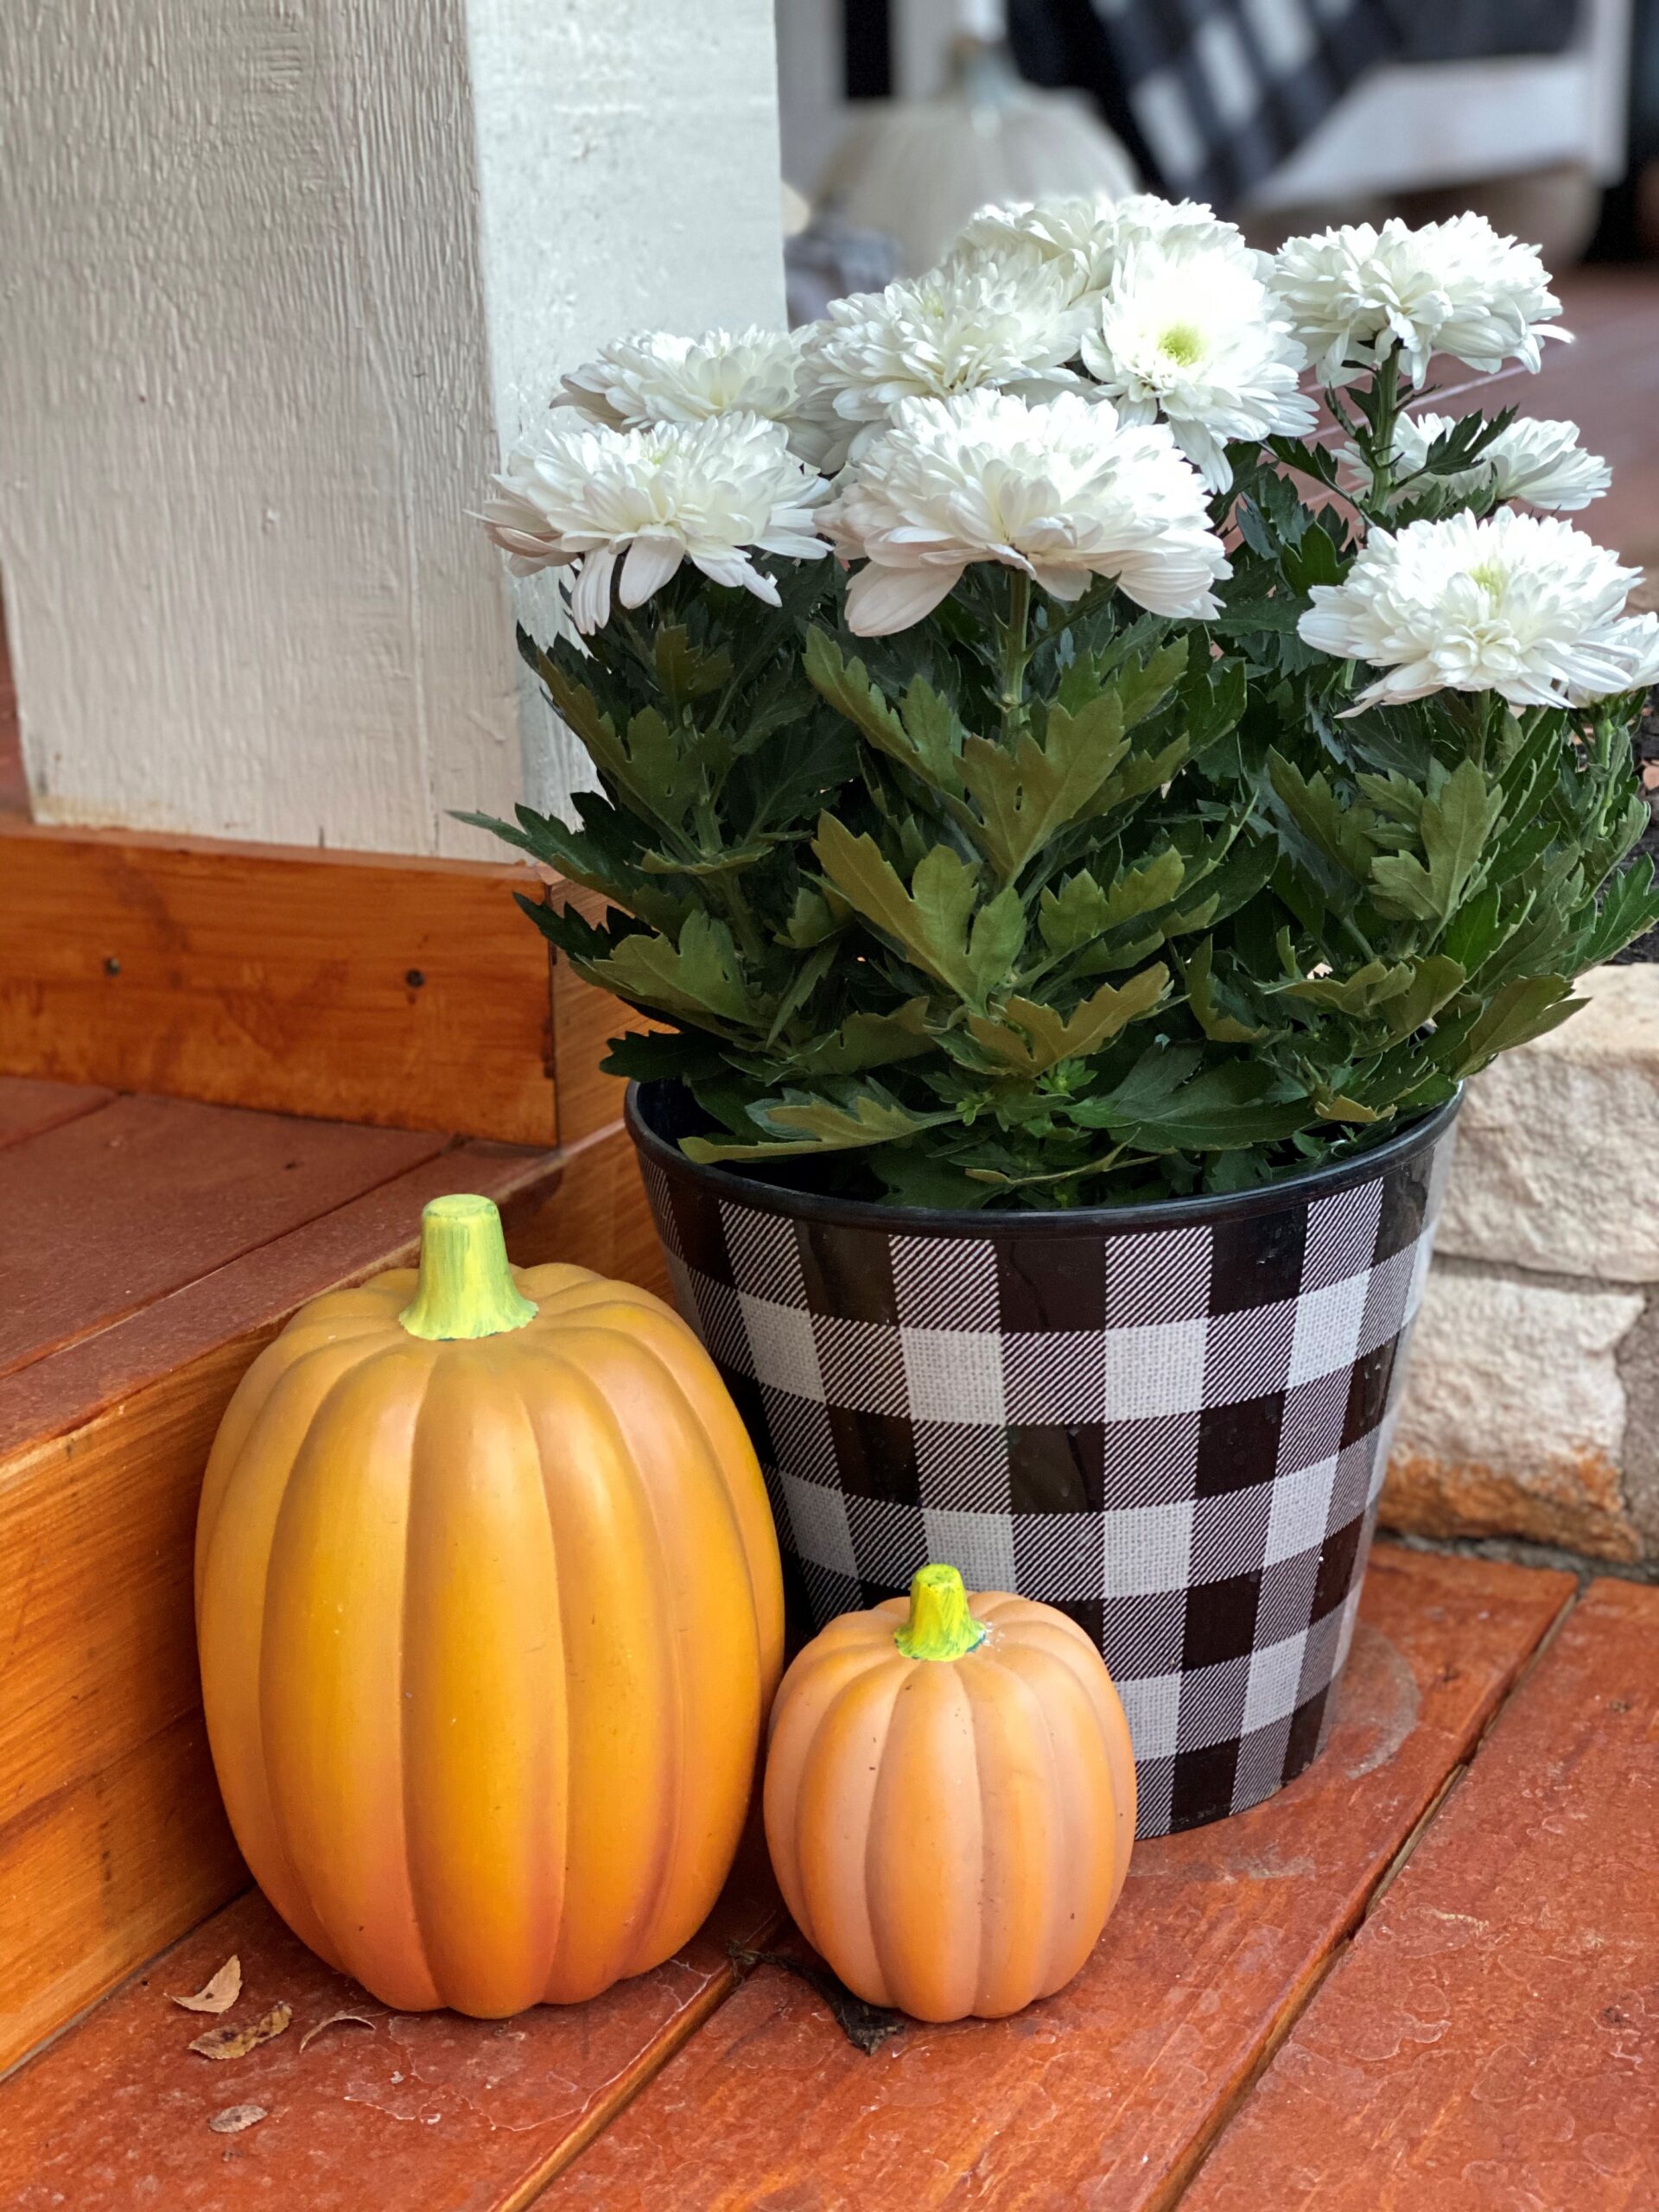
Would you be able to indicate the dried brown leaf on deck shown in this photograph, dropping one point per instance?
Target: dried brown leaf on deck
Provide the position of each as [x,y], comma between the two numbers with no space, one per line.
[237,2043]
[219,1994]
[338,2020]
[235,2118]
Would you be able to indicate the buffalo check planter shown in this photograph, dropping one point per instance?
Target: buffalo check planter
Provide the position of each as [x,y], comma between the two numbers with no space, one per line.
[1170,1421]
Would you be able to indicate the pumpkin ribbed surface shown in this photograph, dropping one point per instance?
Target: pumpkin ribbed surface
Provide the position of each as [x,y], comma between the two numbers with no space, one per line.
[951,1832]
[488,1630]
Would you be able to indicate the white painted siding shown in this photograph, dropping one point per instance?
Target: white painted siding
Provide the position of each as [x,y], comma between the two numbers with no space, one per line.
[273,270]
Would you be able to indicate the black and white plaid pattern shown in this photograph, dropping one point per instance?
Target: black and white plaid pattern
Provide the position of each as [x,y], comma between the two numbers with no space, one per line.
[1176,1434]
[1223,91]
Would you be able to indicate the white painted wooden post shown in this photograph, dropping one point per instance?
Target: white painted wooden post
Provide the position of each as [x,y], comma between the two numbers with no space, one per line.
[281,279]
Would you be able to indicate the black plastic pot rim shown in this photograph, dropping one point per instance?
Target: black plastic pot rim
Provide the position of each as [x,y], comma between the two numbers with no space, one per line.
[1305,1186]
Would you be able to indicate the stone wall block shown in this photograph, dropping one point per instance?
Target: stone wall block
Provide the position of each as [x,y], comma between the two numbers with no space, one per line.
[1516,1413]
[1557,1166]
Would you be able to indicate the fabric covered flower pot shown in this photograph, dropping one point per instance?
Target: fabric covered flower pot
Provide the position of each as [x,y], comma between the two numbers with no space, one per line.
[1170,1420]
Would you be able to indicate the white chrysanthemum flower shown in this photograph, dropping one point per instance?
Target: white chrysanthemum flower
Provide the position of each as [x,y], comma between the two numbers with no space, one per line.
[1058,490]
[660,377]
[1521,605]
[1195,336]
[956,329]
[1539,461]
[1456,287]
[709,492]
[1075,239]
[1084,240]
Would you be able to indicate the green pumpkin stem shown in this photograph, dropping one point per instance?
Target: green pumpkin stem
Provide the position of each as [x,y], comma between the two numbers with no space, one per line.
[467,1287]
[940,1625]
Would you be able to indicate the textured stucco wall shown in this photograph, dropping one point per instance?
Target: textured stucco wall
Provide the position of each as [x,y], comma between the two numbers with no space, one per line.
[272,268]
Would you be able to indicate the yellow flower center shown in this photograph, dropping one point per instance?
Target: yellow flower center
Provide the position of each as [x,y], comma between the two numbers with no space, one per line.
[1489,575]
[1181,344]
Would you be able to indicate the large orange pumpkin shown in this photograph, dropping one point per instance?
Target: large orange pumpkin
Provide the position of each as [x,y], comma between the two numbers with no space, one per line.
[949,1798]
[490,1615]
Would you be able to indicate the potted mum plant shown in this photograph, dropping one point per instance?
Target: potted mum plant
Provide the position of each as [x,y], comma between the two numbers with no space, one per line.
[1075,812]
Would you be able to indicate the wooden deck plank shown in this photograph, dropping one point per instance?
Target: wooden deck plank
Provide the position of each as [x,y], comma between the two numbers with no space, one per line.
[28,1106]
[111,1210]
[1107,2094]
[350,985]
[418,2113]
[585,1204]
[1488,2040]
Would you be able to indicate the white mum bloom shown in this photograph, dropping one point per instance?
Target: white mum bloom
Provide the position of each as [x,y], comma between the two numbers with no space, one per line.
[579,492]
[1458,288]
[1076,239]
[1521,605]
[1084,240]
[1533,460]
[1196,336]
[1057,490]
[660,377]
[956,329]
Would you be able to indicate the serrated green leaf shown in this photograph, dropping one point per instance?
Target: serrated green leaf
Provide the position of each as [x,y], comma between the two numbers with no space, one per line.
[1474,931]
[1360,993]
[1081,910]
[1528,1007]
[684,671]
[923,740]
[1147,1089]
[1393,795]
[1029,1038]
[1141,773]
[1629,909]
[1339,833]
[1314,561]
[1336,1106]
[702,976]
[996,939]
[811,920]
[1141,686]
[1025,795]
[871,1040]
[1455,827]
[1435,980]
[799,1123]
[1220,1026]
[934,924]
[1235,1103]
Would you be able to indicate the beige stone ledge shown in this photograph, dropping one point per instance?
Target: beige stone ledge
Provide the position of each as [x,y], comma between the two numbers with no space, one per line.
[1557,1166]
[1516,1413]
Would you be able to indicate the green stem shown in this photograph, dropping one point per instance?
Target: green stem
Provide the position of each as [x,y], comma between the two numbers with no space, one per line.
[747,929]
[466,1288]
[1386,395]
[940,1625]
[1015,653]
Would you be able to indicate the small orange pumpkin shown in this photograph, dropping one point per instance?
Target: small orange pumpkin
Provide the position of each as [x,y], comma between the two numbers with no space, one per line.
[949,1798]
[490,1615]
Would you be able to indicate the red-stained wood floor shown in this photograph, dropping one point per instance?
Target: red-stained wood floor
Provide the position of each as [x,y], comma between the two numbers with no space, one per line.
[1425,1976]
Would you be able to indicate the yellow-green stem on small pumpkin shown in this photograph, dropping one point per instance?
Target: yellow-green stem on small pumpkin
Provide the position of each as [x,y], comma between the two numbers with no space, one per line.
[940,1624]
[466,1288]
